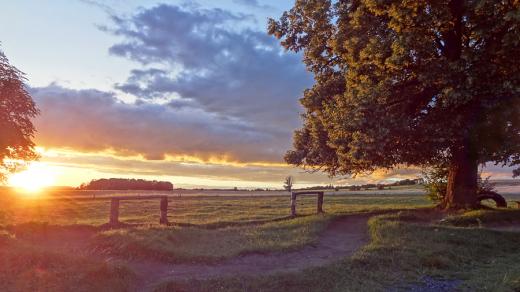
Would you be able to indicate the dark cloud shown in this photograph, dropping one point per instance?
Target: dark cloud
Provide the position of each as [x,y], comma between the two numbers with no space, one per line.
[210,56]
[167,33]
[93,120]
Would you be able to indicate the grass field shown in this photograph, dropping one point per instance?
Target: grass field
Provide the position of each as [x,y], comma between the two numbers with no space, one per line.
[232,209]
[51,245]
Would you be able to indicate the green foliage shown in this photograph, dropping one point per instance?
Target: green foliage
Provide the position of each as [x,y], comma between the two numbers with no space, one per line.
[405,82]
[16,110]
[436,183]
[485,185]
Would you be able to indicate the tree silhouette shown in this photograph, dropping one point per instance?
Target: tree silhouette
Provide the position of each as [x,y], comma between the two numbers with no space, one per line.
[408,83]
[126,184]
[288,184]
[16,111]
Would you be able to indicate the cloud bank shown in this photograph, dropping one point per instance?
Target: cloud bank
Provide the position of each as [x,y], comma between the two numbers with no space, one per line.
[92,120]
[225,91]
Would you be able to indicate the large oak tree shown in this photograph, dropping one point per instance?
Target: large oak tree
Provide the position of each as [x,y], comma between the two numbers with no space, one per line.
[408,83]
[16,111]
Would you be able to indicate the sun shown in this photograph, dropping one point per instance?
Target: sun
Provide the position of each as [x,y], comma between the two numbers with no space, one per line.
[33,179]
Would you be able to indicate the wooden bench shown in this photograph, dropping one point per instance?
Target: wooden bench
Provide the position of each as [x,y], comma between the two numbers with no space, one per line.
[114,205]
[319,202]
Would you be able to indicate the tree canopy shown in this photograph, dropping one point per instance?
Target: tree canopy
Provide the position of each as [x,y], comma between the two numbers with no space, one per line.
[407,83]
[17,108]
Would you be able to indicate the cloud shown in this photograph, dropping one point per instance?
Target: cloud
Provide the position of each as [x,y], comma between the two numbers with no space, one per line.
[497,172]
[93,120]
[208,87]
[211,57]
[252,3]
[248,174]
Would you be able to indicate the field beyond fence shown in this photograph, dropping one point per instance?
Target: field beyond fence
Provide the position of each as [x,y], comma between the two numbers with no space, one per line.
[185,209]
[196,207]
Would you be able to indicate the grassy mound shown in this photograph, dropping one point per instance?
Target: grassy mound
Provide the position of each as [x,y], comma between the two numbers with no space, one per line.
[195,244]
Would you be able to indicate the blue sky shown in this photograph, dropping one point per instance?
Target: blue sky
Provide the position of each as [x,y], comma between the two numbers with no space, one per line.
[60,40]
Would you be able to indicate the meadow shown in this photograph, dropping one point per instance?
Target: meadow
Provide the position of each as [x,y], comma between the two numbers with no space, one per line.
[198,208]
[51,242]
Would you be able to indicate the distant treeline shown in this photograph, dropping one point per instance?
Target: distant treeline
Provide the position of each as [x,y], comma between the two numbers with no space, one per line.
[235,189]
[126,184]
[404,182]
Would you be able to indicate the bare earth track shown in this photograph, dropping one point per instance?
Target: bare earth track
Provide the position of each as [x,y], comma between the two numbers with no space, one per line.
[341,238]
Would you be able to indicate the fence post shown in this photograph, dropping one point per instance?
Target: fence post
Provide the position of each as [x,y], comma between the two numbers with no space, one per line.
[114,211]
[164,211]
[319,207]
[293,204]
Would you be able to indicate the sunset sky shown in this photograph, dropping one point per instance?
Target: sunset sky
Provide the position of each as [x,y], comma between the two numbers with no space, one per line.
[191,92]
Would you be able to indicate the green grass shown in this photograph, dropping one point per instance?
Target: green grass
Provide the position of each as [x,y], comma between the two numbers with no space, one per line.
[206,229]
[194,244]
[484,217]
[199,244]
[400,255]
[26,267]
[403,251]
[192,210]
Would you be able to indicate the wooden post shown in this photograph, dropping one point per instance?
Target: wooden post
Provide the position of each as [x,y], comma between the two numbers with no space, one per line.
[114,211]
[293,204]
[319,206]
[164,211]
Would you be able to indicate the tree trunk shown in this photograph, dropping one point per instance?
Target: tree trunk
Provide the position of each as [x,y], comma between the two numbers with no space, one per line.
[462,186]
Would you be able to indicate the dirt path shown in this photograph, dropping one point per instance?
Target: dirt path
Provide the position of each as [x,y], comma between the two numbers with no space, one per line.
[341,238]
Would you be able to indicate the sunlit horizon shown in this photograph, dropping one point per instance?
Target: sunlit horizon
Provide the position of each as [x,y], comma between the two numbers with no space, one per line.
[33,179]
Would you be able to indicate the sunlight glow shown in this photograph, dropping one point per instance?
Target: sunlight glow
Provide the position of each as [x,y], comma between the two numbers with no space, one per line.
[33,179]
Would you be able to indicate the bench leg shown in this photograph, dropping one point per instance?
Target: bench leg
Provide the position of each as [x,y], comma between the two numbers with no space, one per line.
[114,212]
[293,204]
[319,206]
[164,211]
